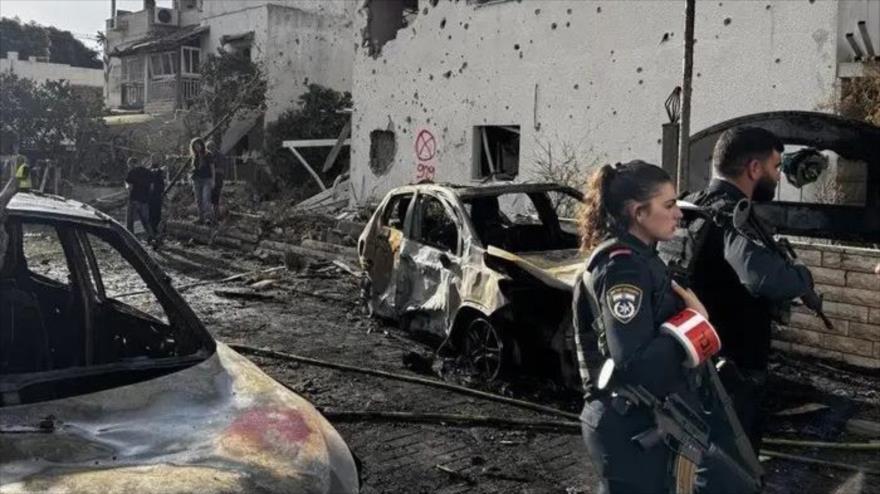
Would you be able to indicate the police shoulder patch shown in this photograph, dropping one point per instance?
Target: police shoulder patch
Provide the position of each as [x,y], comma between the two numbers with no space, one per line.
[624,301]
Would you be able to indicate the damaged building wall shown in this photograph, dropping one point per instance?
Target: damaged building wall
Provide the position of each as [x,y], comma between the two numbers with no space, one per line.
[298,41]
[592,75]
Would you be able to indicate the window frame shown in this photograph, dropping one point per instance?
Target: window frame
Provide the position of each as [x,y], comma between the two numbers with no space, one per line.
[171,57]
[186,56]
[391,206]
[481,147]
[415,234]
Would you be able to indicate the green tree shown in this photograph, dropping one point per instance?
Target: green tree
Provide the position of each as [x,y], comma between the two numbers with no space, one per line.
[51,120]
[39,41]
[321,114]
[231,84]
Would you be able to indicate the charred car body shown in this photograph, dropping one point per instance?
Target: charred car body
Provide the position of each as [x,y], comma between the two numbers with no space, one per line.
[97,394]
[491,269]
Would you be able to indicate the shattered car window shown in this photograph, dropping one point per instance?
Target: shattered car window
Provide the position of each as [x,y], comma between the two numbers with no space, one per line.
[519,222]
[395,212]
[43,252]
[122,282]
[437,228]
[566,205]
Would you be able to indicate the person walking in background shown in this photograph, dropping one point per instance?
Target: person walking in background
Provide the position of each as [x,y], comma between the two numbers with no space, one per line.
[138,181]
[220,163]
[203,179]
[157,192]
[23,174]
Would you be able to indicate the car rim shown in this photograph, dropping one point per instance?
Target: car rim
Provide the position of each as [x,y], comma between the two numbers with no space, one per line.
[484,348]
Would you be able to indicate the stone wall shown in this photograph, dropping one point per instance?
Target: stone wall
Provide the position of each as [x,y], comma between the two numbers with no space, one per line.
[844,275]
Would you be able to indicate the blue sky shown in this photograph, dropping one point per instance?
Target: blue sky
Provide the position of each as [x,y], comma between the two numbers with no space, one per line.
[83,18]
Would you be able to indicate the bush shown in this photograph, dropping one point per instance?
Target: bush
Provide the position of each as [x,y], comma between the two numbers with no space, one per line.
[322,113]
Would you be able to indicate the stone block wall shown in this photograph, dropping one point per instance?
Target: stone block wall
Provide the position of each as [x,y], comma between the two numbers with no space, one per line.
[844,275]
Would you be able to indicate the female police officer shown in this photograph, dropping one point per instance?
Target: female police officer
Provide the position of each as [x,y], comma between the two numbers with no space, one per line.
[629,207]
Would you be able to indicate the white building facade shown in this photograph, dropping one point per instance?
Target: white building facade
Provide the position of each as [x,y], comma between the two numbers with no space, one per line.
[443,85]
[40,71]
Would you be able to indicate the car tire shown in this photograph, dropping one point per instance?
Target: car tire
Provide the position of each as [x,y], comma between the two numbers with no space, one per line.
[483,349]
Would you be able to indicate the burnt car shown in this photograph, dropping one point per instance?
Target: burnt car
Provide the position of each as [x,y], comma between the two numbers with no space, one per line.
[109,382]
[489,268]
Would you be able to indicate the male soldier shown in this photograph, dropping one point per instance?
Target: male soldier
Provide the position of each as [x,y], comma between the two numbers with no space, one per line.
[740,281]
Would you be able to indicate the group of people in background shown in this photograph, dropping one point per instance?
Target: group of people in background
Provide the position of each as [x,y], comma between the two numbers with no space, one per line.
[146,184]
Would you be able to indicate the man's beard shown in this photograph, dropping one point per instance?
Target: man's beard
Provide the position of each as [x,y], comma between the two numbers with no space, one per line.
[765,189]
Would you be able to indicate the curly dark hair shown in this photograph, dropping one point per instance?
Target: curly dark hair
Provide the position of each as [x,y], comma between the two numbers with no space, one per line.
[609,191]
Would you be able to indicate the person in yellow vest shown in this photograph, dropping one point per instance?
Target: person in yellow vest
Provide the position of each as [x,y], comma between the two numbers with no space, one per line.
[23,174]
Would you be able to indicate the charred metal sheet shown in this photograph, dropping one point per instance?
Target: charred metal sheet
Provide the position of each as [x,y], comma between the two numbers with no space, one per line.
[218,426]
[851,139]
[821,220]
[38,205]
[521,270]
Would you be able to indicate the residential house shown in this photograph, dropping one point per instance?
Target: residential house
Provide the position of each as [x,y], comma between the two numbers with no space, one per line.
[155,53]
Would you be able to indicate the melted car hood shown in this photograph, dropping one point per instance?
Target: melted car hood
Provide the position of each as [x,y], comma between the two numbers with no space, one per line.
[219,426]
[555,268]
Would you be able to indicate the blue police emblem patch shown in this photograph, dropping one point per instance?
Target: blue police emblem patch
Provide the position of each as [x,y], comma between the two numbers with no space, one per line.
[624,302]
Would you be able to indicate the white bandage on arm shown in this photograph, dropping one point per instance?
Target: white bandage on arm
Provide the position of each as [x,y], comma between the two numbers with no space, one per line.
[695,334]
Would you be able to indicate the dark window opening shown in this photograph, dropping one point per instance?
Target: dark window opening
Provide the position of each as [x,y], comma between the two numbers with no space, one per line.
[436,227]
[395,212]
[520,222]
[496,152]
[383,147]
[384,19]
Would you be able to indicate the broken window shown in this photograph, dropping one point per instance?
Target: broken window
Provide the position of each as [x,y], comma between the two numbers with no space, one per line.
[383,146]
[119,281]
[384,19]
[436,227]
[520,222]
[496,152]
[44,254]
[395,212]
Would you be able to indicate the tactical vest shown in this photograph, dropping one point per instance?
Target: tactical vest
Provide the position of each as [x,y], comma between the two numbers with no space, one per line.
[681,251]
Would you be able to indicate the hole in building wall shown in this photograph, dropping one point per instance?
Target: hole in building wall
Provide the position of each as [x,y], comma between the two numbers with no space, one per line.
[383,147]
[496,152]
[384,19]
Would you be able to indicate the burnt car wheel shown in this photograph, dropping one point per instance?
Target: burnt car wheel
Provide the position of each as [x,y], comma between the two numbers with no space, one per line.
[483,348]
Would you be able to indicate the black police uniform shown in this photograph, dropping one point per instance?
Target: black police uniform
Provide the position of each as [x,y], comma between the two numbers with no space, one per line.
[739,281]
[631,289]
[634,297]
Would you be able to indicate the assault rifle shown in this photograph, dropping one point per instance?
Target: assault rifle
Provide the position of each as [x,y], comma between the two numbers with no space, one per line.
[744,219]
[682,429]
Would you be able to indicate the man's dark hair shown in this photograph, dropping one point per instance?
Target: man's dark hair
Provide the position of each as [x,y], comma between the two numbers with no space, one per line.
[738,146]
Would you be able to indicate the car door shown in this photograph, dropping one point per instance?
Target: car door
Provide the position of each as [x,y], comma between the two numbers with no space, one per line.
[381,248]
[429,265]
